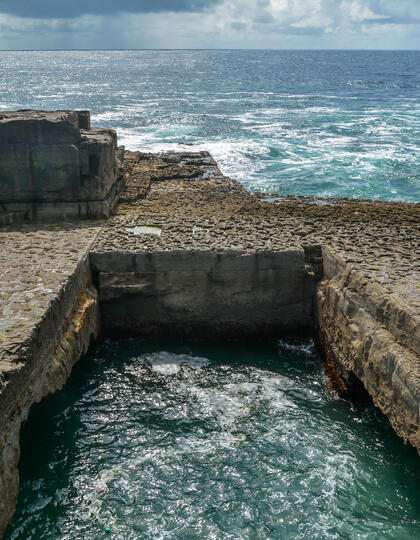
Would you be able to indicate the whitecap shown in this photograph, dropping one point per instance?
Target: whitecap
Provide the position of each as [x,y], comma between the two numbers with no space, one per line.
[167,363]
[225,403]
[272,393]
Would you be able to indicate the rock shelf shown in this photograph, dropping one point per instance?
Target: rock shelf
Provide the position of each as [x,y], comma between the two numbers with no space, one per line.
[48,316]
[190,253]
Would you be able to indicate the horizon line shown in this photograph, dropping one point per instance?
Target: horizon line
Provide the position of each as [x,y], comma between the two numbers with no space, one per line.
[207,49]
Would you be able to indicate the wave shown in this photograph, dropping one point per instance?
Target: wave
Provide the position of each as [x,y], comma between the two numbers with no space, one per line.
[306,348]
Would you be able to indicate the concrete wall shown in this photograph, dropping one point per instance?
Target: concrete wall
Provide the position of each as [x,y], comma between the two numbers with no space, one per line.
[197,294]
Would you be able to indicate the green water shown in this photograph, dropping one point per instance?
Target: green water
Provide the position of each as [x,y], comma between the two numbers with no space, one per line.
[211,442]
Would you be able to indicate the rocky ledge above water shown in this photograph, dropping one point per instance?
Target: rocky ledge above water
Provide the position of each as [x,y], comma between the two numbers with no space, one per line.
[359,260]
[190,252]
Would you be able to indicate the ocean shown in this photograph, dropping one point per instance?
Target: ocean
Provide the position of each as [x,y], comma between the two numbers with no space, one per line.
[316,123]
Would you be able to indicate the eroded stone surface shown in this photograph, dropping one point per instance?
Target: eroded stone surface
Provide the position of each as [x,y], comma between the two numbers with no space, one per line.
[375,336]
[48,313]
[35,264]
[201,209]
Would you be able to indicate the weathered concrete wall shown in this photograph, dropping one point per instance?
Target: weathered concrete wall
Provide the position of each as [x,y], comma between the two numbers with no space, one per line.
[370,335]
[54,165]
[198,294]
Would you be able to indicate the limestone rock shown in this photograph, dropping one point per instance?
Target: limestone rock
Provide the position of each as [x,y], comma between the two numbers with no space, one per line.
[49,157]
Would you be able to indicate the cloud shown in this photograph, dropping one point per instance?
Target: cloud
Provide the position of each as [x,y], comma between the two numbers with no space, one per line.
[56,9]
[322,23]
[210,24]
[238,25]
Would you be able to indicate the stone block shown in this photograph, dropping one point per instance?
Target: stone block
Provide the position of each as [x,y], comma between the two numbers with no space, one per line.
[101,145]
[232,261]
[176,261]
[39,127]
[84,119]
[38,172]
[183,290]
[15,173]
[84,158]
[113,262]
[333,262]
[54,157]
[56,172]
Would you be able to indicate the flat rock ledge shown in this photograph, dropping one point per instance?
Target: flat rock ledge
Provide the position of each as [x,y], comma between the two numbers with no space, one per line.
[189,253]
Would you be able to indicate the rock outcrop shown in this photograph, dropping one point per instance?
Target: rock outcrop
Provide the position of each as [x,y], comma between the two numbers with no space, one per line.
[53,165]
[38,362]
[373,338]
[190,253]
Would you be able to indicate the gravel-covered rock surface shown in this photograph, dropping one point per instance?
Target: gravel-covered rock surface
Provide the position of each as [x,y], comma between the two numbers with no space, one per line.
[196,207]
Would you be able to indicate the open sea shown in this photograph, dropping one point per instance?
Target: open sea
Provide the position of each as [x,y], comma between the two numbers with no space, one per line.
[157,441]
[321,123]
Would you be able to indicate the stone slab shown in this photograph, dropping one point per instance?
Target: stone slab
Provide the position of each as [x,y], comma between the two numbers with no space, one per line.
[375,337]
[48,317]
[40,127]
[29,173]
[214,293]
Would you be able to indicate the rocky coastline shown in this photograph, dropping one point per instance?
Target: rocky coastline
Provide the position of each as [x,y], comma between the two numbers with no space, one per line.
[185,252]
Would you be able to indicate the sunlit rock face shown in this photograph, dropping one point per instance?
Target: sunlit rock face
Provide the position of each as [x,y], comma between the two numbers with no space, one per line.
[54,165]
[374,338]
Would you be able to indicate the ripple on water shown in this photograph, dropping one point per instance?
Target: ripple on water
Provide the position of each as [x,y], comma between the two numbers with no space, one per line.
[211,442]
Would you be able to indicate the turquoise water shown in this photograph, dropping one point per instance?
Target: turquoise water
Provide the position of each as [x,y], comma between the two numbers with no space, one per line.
[229,441]
[321,123]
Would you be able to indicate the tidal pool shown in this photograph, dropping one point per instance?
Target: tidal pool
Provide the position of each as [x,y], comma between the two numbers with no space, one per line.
[220,441]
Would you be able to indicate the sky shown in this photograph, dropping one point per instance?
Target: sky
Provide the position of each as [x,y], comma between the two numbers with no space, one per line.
[259,24]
